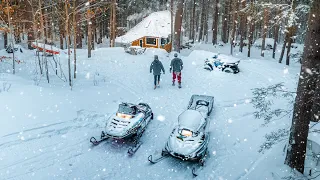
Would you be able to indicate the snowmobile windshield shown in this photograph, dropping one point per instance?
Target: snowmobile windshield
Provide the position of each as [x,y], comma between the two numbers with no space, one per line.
[123,109]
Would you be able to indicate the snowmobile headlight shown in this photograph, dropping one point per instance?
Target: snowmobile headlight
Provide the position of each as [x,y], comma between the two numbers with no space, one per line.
[186,133]
[125,116]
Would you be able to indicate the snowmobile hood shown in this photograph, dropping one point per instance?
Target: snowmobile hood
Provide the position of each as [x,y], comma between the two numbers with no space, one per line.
[186,145]
[121,127]
[191,119]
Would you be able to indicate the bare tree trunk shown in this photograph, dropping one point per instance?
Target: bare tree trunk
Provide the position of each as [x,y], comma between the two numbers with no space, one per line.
[215,23]
[202,20]
[93,32]
[29,25]
[5,39]
[197,28]
[94,20]
[68,43]
[111,26]
[47,68]
[114,21]
[276,35]
[79,32]
[41,23]
[172,24]
[61,29]
[75,37]
[242,25]
[78,28]
[234,25]
[193,19]
[291,29]
[288,51]
[177,25]
[265,28]
[283,48]
[205,27]
[296,150]
[12,40]
[189,19]
[251,29]
[315,111]
[100,29]
[225,32]
[89,37]
[290,41]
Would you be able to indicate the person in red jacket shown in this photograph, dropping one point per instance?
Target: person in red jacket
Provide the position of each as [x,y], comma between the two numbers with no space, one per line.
[176,66]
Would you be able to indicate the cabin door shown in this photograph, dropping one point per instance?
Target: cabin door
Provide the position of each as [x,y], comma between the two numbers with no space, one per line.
[141,43]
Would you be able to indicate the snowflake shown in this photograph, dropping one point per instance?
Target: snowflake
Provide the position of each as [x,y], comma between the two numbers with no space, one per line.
[161,118]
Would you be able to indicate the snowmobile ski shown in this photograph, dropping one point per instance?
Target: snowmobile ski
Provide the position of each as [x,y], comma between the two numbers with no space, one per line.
[195,170]
[133,150]
[156,160]
[94,141]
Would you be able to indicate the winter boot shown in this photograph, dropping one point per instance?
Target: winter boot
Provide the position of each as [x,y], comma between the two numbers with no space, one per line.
[158,83]
[179,85]
[155,87]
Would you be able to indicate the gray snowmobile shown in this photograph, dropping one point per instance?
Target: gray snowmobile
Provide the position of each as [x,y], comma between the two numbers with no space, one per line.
[128,123]
[189,139]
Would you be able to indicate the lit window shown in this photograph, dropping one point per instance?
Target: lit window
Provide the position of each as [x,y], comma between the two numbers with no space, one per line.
[151,41]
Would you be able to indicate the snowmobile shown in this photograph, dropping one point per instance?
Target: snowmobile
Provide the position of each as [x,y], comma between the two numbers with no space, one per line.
[228,66]
[128,123]
[10,48]
[189,139]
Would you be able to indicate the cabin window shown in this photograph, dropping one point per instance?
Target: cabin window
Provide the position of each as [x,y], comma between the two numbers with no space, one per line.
[151,41]
[164,41]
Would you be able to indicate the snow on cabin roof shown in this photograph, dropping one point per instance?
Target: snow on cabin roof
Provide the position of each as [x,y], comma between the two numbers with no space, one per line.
[191,119]
[157,24]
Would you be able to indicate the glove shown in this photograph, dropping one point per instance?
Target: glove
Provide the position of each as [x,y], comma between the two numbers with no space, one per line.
[150,72]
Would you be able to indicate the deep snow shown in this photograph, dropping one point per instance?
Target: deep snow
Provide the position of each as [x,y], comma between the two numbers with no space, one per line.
[45,129]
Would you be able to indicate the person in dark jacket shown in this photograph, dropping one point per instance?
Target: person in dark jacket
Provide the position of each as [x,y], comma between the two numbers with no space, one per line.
[156,67]
[176,66]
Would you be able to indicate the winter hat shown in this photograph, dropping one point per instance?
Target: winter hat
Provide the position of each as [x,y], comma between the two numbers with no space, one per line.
[156,57]
[175,54]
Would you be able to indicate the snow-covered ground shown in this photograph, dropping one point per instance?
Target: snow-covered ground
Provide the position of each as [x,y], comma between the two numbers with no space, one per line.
[45,129]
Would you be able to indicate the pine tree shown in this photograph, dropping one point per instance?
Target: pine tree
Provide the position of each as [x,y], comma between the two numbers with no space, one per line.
[215,23]
[225,27]
[177,25]
[234,24]
[242,25]
[202,21]
[305,98]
